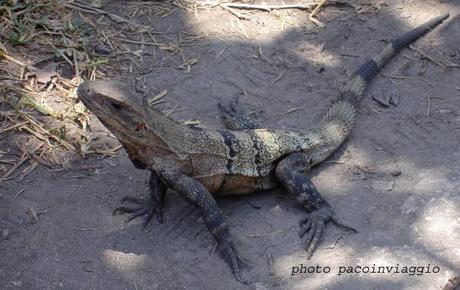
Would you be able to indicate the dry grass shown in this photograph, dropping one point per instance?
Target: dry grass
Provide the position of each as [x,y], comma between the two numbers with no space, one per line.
[47,48]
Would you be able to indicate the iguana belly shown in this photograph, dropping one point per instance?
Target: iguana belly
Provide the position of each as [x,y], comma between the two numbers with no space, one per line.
[222,185]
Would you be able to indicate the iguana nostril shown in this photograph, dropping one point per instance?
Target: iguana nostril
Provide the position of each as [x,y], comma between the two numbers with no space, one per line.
[139,127]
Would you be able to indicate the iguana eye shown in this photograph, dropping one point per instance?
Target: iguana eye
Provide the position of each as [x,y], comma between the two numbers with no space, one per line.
[116,106]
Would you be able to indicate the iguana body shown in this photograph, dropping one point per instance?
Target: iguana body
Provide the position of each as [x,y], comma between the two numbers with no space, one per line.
[197,162]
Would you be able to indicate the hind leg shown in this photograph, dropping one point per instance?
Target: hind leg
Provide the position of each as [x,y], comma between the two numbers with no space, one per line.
[291,172]
[236,118]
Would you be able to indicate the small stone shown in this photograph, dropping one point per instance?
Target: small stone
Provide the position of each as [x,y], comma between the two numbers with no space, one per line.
[276,210]
[16,283]
[382,185]
[44,75]
[5,234]
[102,49]
[395,172]
[320,69]
[141,88]
[394,100]
[382,100]
[367,168]
[33,215]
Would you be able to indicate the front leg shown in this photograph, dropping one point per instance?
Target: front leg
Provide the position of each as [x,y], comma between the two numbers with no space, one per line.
[149,206]
[291,172]
[195,193]
[235,117]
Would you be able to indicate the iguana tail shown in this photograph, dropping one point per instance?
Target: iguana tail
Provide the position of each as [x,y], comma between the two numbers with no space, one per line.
[341,114]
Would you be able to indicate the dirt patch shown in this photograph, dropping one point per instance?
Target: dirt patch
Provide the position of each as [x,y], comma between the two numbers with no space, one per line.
[396,180]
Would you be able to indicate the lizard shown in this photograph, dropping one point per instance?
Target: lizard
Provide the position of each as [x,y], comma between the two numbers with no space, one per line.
[200,163]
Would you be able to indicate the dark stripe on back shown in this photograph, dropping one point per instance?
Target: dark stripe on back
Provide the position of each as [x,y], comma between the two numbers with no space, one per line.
[368,70]
[258,157]
[229,140]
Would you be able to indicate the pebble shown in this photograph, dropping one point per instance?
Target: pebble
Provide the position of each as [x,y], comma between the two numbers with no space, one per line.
[5,234]
[102,49]
[394,100]
[395,172]
[276,210]
[382,100]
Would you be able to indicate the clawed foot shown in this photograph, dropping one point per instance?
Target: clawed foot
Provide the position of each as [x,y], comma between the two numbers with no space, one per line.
[228,252]
[313,226]
[236,118]
[231,109]
[141,208]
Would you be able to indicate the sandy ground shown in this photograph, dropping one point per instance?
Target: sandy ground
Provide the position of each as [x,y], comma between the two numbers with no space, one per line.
[396,180]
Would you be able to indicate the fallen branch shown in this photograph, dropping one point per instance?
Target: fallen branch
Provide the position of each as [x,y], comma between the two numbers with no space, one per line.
[24,158]
[442,63]
[13,169]
[91,9]
[314,12]
[425,55]
[266,7]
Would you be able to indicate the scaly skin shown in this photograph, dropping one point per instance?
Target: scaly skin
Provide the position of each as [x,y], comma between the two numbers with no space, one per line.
[199,162]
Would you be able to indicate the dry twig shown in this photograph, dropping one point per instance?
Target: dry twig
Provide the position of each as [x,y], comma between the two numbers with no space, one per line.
[267,7]
[314,12]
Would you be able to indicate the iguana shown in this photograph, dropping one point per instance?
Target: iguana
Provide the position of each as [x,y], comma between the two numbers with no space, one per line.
[198,162]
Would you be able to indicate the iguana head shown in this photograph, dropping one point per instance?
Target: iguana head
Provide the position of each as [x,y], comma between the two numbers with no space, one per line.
[110,105]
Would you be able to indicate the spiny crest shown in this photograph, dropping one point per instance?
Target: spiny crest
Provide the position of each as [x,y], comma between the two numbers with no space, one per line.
[342,113]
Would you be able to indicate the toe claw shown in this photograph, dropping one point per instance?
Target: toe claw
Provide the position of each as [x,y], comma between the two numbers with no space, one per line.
[313,227]
[315,239]
[146,208]
[234,104]
[148,218]
[310,236]
[230,255]
[304,228]
[344,227]
[125,209]
[136,215]
[160,216]
[225,109]
[132,200]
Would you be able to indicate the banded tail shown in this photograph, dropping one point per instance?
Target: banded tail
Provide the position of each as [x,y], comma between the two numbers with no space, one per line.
[341,114]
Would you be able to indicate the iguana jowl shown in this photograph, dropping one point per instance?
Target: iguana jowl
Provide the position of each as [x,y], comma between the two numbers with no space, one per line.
[196,162]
